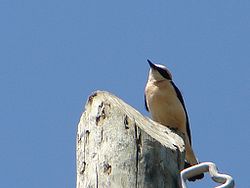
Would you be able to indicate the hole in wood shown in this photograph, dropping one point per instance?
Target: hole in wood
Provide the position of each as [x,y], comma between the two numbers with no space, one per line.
[107,168]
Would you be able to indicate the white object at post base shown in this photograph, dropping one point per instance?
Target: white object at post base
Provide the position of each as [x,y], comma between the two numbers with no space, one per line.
[226,180]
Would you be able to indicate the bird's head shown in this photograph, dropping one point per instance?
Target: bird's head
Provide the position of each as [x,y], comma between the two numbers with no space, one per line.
[158,72]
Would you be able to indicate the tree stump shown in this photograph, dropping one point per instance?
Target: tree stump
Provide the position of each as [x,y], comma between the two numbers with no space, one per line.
[117,147]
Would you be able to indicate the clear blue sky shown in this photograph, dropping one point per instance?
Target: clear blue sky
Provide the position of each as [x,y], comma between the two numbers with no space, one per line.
[55,53]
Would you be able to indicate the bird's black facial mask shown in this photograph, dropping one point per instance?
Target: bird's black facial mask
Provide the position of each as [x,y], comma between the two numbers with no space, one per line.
[163,72]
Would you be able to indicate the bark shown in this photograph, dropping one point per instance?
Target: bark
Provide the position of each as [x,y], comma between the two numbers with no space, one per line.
[118,147]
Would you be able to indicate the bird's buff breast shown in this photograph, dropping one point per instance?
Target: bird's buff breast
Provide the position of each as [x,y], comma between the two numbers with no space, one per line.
[165,107]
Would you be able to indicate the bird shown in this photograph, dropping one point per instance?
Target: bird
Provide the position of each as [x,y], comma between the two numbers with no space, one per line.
[166,105]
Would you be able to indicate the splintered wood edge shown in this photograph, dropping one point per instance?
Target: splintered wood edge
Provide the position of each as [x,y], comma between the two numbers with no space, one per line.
[167,137]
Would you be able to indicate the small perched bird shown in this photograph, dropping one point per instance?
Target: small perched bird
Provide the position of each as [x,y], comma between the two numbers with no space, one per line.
[166,105]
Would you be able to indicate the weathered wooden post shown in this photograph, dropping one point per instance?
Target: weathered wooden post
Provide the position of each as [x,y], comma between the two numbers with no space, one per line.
[117,147]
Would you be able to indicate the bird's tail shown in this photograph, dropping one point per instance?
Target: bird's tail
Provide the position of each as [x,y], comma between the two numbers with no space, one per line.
[191,160]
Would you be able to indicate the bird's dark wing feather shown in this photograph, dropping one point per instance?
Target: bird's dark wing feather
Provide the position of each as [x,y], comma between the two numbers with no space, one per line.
[183,104]
[145,102]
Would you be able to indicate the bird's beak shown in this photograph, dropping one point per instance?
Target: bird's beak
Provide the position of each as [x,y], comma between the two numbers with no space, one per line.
[152,65]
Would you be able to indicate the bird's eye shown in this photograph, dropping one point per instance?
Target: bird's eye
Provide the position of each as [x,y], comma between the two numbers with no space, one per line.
[164,73]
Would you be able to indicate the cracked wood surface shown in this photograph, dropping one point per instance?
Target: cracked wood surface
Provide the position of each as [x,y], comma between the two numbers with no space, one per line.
[117,147]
